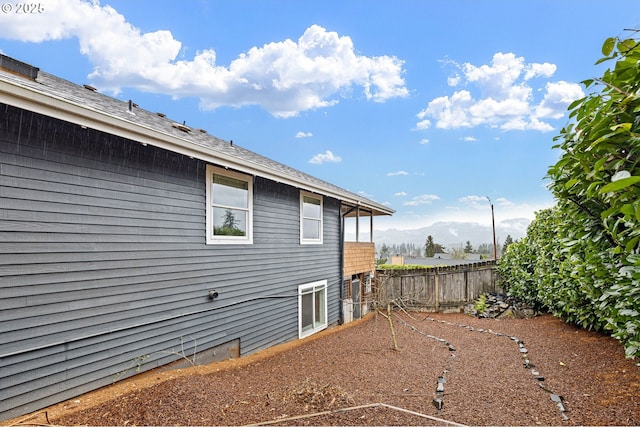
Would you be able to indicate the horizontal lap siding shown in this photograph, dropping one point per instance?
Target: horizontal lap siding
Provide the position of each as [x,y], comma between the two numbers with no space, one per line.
[103,261]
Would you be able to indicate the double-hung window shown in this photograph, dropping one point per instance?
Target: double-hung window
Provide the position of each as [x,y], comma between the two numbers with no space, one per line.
[229,206]
[312,308]
[310,218]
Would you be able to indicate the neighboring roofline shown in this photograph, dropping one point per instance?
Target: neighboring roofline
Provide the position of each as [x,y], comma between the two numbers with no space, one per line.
[30,99]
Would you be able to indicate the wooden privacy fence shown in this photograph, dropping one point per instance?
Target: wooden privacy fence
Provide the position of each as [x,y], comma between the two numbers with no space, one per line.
[437,288]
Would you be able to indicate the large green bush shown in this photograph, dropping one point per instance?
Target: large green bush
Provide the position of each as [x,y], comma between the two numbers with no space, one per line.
[581,259]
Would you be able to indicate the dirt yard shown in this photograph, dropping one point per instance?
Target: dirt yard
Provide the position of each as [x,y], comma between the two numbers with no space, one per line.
[449,369]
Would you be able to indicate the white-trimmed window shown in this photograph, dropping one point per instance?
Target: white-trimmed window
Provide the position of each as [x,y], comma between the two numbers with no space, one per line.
[312,308]
[229,206]
[310,218]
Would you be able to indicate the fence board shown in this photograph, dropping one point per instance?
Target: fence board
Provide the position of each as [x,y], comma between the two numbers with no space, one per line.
[457,285]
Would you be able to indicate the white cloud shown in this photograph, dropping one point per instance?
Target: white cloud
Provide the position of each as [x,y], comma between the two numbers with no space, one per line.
[423,124]
[449,112]
[424,141]
[424,199]
[469,139]
[497,78]
[543,70]
[521,124]
[301,134]
[516,216]
[500,95]
[557,97]
[501,201]
[398,173]
[400,194]
[454,80]
[474,201]
[326,157]
[284,77]
[481,202]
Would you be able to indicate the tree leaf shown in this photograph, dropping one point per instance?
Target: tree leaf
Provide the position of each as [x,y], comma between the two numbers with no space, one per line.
[571,183]
[628,312]
[619,184]
[631,244]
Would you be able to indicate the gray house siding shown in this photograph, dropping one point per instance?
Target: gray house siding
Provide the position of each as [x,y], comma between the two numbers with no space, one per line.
[103,261]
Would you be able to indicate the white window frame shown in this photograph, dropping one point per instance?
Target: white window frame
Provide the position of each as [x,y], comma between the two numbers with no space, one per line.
[317,241]
[211,239]
[312,288]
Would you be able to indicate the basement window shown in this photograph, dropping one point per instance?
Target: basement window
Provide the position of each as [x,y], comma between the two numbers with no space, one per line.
[312,308]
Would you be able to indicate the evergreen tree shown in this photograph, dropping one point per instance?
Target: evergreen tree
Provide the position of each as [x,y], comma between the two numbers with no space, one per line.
[506,244]
[432,248]
[384,251]
[485,249]
[229,220]
[403,249]
[429,247]
[468,248]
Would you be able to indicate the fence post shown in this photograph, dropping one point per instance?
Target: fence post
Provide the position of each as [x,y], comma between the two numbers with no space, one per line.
[437,286]
[466,284]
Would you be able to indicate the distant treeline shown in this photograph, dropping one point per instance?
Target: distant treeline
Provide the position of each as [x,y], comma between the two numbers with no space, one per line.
[414,250]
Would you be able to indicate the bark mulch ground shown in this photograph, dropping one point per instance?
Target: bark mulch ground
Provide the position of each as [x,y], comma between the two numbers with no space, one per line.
[449,369]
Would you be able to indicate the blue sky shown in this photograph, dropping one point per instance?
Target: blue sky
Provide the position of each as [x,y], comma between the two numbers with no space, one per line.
[429,106]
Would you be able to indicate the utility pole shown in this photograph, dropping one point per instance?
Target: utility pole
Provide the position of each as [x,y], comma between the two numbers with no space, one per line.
[493,225]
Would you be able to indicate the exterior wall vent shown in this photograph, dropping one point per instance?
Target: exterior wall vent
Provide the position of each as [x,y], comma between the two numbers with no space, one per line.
[19,68]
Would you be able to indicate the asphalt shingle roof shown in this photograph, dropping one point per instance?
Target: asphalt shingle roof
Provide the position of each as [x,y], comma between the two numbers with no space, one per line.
[129,114]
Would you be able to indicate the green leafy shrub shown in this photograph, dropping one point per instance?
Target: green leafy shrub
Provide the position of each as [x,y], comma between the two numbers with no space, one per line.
[228,231]
[481,304]
[405,267]
[581,259]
